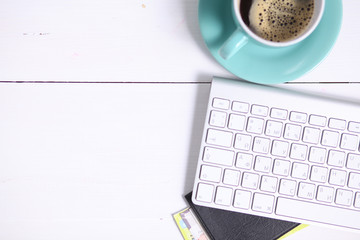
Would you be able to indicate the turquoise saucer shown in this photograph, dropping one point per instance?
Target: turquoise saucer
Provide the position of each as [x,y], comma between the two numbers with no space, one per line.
[263,64]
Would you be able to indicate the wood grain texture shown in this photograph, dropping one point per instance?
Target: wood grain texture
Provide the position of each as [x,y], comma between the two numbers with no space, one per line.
[131,41]
[94,160]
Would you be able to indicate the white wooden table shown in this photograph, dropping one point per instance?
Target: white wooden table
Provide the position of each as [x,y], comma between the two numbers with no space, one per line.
[101,112]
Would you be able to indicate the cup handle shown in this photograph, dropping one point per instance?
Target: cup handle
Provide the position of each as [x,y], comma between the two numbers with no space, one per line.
[233,44]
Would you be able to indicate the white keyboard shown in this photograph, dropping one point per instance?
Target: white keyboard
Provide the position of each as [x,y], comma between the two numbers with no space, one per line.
[282,154]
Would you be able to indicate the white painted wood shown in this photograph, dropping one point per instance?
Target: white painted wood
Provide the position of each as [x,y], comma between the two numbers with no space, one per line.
[131,41]
[95,161]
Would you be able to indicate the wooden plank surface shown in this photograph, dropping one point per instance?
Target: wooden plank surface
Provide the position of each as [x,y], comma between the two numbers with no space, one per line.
[95,161]
[131,41]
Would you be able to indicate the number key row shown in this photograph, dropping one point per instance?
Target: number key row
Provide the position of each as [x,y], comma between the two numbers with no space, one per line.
[282,114]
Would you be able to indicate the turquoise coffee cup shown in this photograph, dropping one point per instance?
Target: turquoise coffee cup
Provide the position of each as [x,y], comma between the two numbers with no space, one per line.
[243,33]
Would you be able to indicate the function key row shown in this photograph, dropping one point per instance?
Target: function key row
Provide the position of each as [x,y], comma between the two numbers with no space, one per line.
[283,114]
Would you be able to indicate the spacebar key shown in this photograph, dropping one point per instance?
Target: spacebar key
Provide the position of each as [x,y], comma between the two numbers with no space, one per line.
[318,213]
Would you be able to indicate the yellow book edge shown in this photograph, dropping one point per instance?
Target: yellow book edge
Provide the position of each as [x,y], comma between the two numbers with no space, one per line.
[294,230]
[185,232]
[192,230]
[189,226]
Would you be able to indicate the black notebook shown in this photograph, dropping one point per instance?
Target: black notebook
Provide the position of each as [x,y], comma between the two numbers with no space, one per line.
[225,225]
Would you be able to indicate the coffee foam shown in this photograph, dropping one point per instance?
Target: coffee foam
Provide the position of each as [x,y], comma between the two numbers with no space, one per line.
[280,20]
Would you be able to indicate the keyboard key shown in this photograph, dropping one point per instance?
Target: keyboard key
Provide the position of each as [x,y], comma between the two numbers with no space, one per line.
[337,177]
[354,127]
[242,199]
[311,135]
[219,138]
[273,128]
[242,142]
[279,148]
[255,125]
[306,190]
[318,174]
[210,173]
[217,119]
[250,180]
[223,196]
[278,113]
[244,160]
[261,145]
[263,203]
[300,171]
[317,212]
[349,142]
[292,132]
[240,107]
[281,167]
[353,161]
[325,194]
[237,122]
[298,117]
[343,197]
[317,120]
[218,156]
[259,110]
[262,164]
[336,158]
[317,155]
[287,187]
[298,151]
[357,200]
[268,184]
[204,192]
[337,123]
[329,138]
[354,180]
[231,177]
[221,103]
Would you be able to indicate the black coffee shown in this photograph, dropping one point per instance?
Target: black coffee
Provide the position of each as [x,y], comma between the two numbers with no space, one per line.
[277,20]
